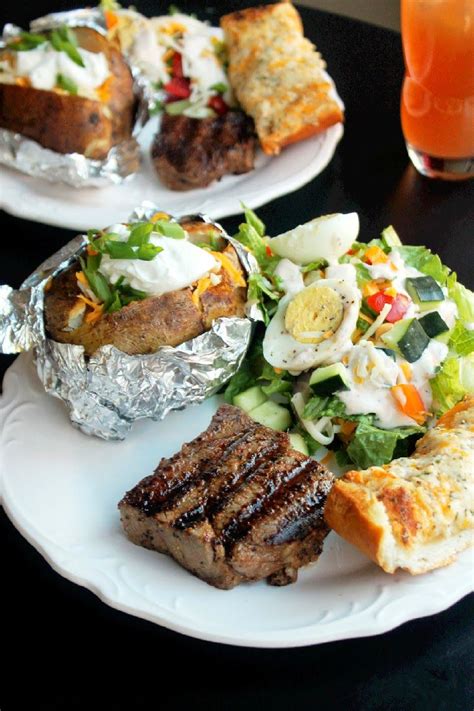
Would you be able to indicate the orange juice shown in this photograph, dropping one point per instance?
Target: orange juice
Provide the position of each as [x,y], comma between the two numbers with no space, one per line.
[437,106]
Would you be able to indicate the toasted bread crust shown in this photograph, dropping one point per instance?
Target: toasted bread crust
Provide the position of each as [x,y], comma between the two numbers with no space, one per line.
[73,124]
[277,75]
[412,513]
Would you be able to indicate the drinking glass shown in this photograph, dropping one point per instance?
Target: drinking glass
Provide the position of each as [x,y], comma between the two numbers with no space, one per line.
[437,103]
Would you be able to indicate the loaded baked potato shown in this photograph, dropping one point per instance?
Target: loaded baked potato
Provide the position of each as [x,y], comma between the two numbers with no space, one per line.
[138,321]
[69,90]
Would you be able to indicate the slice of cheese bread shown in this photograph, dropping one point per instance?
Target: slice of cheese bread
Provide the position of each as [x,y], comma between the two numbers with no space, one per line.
[277,75]
[415,513]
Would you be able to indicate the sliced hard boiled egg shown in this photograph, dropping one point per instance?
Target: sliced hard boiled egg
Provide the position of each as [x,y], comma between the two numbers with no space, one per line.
[327,237]
[314,314]
[313,327]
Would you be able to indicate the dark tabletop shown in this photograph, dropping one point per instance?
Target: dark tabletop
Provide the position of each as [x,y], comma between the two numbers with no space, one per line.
[64,649]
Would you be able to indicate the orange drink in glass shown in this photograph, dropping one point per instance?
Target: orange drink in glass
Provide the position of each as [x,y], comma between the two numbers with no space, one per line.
[437,105]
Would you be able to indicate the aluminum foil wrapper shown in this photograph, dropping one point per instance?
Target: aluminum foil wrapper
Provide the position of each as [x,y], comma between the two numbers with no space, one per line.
[28,156]
[107,392]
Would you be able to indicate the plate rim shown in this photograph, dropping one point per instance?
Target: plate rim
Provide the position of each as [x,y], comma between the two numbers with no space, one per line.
[223,208]
[364,626]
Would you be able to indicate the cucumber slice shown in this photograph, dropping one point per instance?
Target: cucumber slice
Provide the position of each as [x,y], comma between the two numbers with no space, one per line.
[390,238]
[330,379]
[250,399]
[272,415]
[392,337]
[425,292]
[298,443]
[408,338]
[433,324]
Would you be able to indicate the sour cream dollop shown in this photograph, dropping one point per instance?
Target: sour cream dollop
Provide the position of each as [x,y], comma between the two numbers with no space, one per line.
[179,265]
[43,64]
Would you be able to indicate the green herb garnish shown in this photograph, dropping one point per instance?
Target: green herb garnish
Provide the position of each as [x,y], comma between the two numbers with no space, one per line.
[220,87]
[63,39]
[66,84]
[28,41]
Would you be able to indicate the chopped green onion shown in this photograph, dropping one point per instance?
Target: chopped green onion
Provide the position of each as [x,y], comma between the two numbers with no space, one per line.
[175,108]
[170,229]
[140,233]
[62,45]
[28,41]
[220,87]
[147,252]
[66,84]
[120,250]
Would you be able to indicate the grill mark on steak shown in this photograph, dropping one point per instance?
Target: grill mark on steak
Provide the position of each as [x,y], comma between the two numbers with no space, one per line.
[237,503]
[191,153]
[174,476]
[219,482]
[269,481]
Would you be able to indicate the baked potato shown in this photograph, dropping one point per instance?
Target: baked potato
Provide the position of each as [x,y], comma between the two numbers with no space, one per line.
[143,326]
[65,121]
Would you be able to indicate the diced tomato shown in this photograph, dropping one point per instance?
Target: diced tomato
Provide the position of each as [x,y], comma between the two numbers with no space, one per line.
[218,104]
[177,65]
[178,88]
[399,308]
[377,301]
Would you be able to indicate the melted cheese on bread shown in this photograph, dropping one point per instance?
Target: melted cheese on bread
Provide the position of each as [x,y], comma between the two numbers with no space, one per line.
[415,513]
[277,75]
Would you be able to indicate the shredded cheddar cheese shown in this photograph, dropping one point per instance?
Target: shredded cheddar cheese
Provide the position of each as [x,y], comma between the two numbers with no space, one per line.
[232,271]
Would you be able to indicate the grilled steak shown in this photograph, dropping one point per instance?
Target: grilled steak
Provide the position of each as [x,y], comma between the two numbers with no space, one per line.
[235,504]
[191,153]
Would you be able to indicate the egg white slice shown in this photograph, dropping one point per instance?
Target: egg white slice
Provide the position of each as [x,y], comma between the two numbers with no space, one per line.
[281,350]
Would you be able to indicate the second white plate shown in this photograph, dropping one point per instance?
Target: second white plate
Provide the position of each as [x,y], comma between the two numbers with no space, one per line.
[60,488]
[81,209]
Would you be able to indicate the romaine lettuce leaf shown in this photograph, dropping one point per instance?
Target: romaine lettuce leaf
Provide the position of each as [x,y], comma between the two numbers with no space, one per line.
[372,446]
[464,299]
[425,261]
[452,382]
[462,339]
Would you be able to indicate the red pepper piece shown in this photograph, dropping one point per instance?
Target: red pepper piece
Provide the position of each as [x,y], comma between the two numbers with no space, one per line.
[178,88]
[177,65]
[377,301]
[218,104]
[399,308]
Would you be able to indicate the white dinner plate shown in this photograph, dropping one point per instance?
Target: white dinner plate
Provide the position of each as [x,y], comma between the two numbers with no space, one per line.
[81,209]
[60,488]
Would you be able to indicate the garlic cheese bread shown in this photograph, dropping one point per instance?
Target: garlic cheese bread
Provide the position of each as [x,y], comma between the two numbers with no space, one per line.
[415,513]
[277,75]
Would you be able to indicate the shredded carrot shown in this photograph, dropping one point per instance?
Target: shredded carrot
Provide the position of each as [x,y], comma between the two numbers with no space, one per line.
[409,401]
[278,370]
[232,271]
[111,19]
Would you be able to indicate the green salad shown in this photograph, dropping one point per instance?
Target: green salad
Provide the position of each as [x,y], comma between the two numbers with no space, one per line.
[363,345]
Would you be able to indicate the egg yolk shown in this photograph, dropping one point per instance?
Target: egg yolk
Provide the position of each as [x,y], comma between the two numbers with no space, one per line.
[314,314]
